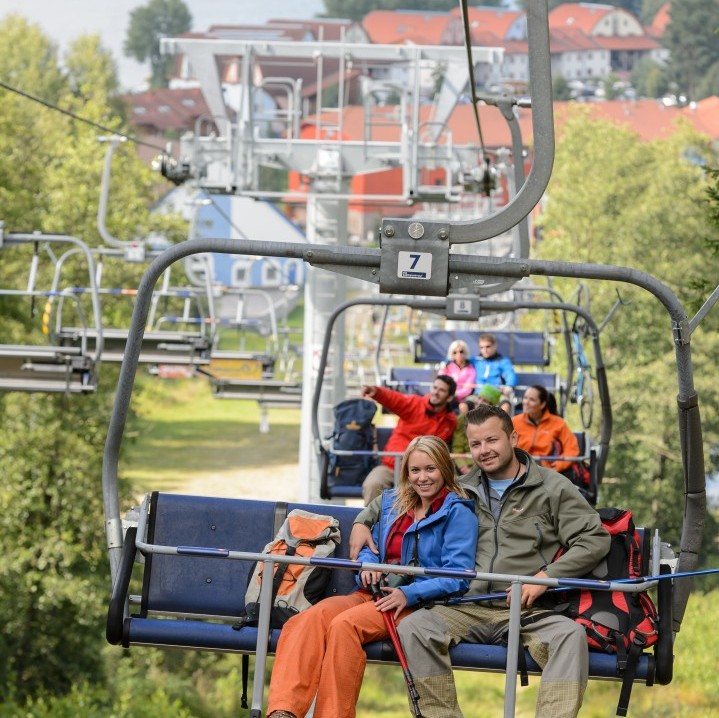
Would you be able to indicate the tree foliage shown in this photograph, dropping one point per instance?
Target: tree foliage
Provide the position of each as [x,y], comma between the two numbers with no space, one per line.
[52,560]
[148,24]
[692,39]
[615,200]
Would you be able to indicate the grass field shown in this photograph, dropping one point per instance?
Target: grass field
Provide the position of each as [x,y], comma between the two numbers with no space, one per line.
[183,433]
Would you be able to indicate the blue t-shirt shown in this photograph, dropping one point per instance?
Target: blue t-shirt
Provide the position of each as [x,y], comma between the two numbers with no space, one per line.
[500,485]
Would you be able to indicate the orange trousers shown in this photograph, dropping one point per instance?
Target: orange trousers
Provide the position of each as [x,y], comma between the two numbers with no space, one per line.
[320,653]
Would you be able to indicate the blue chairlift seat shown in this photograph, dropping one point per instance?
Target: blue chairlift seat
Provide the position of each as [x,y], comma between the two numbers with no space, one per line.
[411,379]
[521,347]
[192,601]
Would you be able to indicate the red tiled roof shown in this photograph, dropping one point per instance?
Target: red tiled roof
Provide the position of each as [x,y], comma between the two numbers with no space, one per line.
[385,27]
[705,116]
[660,21]
[649,119]
[581,15]
[632,42]
[329,28]
[571,39]
[162,109]
[490,19]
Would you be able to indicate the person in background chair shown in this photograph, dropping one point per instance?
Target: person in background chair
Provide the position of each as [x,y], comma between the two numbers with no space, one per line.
[460,368]
[418,415]
[493,368]
[542,432]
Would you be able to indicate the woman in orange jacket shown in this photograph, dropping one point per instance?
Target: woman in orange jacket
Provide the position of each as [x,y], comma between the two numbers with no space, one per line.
[541,432]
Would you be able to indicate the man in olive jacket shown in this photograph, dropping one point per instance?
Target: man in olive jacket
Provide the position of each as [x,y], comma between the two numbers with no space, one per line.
[525,514]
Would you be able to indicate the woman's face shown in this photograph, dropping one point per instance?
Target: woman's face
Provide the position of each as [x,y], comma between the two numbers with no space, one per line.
[424,475]
[532,404]
[459,354]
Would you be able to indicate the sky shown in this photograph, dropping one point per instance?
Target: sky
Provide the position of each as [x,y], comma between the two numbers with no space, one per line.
[64,20]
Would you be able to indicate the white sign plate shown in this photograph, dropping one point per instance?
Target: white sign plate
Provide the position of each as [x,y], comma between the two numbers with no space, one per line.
[414,265]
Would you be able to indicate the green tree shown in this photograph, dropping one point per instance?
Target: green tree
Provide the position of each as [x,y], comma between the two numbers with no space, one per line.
[649,10]
[619,201]
[692,39]
[561,91]
[649,78]
[52,560]
[148,24]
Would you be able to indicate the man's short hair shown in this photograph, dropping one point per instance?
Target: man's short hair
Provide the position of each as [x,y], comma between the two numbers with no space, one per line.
[488,337]
[483,412]
[449,381]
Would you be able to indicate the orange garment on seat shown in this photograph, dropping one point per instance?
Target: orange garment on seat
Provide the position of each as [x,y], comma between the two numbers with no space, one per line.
[320,652]
[550,437]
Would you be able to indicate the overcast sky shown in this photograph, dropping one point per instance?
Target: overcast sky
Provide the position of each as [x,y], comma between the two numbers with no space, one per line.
[64,20]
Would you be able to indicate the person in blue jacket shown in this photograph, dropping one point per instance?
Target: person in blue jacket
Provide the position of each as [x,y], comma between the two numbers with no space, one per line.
[428,520]
[493,368]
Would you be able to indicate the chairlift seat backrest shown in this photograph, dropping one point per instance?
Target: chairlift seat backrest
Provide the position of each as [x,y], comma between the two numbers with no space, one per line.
[521,347]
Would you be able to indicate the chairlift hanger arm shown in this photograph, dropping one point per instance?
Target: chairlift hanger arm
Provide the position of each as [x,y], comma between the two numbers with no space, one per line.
[533,189]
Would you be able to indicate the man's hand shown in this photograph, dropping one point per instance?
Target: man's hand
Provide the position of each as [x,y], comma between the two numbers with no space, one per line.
[530,591]
[359,537]
[368,391]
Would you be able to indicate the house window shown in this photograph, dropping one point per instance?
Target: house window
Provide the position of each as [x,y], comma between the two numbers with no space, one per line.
[271,273]
[241,276]
[163,108]
[188,102]
[140,110]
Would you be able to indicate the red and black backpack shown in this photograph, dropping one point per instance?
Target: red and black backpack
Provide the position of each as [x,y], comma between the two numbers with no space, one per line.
[616,622]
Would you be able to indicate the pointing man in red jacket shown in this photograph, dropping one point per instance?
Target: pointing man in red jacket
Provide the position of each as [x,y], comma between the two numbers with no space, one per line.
[418,416]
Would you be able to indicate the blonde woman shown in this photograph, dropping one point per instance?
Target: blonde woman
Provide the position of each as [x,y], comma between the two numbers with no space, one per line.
[427,520]
[460,368]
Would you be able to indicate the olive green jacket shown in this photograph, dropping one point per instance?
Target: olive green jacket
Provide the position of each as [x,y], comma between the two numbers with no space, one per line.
[537,515]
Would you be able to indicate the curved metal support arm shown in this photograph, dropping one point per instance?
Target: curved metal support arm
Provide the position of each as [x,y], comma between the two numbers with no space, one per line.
[528,196]
[81,247]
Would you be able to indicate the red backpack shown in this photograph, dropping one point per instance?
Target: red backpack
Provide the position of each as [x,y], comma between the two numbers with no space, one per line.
[617,622]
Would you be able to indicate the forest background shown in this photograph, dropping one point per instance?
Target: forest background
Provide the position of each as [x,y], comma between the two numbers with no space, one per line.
[653,206]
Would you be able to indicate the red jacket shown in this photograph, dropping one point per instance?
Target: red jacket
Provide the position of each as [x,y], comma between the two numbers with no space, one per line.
[416,418]
[550,437]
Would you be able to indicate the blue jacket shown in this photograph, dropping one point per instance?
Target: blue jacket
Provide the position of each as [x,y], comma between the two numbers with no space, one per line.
[497,371]
[446,539]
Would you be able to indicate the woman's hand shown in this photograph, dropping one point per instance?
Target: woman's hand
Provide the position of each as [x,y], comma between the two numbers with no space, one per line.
[393,600]
[369,577]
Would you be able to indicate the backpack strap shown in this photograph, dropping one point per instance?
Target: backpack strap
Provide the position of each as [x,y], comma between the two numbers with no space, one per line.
[279,518]
[635,650]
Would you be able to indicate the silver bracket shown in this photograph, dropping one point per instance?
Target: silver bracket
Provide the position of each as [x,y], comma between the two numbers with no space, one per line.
[414,257]
[462,307]
[682,332]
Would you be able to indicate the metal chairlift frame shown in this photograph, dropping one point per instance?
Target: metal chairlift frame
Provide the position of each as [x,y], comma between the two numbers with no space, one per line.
[441,307]
[56,368]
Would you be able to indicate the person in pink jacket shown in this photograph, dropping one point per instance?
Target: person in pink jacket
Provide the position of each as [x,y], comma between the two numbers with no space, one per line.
[459,367]
[541,432]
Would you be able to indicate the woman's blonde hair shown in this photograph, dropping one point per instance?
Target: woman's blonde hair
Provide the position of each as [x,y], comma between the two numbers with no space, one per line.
[436,449]
[458,344]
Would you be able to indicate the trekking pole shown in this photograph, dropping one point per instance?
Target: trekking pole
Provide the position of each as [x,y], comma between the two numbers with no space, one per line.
[391,625]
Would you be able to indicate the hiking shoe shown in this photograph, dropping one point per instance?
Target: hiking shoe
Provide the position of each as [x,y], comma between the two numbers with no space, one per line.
[281,714]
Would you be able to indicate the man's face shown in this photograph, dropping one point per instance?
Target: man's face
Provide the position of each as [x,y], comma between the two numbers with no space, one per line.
[487,349]
[491,448]
[439,395]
